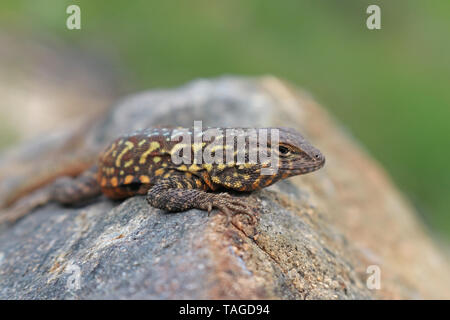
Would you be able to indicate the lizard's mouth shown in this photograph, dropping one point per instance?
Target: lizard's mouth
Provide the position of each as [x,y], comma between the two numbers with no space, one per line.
[311,168]
[302,167]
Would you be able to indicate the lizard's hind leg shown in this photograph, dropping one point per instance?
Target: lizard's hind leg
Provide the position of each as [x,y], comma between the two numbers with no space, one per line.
[64,190]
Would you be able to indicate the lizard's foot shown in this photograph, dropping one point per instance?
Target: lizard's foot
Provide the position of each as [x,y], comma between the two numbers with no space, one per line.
[231,206]
[168,195]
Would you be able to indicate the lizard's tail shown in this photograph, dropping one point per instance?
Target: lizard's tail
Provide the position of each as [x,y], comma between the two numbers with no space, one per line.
[25,205]
[62,168]
[64,190]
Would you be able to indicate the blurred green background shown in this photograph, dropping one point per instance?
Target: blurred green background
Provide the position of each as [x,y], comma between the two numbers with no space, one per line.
[390,87]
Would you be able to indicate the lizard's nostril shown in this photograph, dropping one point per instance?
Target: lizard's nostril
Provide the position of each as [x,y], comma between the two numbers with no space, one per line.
[318,157]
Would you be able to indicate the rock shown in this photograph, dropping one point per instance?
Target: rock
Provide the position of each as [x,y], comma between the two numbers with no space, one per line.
[318,236]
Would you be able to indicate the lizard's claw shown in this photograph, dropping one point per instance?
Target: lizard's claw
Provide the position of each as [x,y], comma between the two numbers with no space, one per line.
[210,207]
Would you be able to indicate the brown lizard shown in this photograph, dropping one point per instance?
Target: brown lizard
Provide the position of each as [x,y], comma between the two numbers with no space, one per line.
[141,163]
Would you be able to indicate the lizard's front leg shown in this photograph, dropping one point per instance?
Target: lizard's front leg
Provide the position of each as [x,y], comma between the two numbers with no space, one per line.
[180,194]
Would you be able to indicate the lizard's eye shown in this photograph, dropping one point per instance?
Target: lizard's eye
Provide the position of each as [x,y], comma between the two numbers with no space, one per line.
[283,150]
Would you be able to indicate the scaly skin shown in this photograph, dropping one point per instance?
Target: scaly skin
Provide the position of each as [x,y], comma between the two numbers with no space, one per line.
[141,163]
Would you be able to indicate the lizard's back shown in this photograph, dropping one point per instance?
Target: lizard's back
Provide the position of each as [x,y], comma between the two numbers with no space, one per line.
[133,163]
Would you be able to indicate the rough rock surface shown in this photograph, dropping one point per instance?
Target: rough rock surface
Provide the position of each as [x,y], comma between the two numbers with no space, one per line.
[318,233]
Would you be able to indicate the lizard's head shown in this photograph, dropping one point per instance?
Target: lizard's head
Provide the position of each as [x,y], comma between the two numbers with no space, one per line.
[296,154]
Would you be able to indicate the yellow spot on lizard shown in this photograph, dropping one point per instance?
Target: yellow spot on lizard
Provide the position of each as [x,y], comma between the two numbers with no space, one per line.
[128,163]
[154,145]
[129,146]
[221,166]
[237,184]
[215,179]
[144,179]
[128,179]
[114,182]
[208,166]
[194,168]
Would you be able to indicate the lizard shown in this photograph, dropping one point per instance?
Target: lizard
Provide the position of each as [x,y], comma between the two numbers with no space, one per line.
[141,163]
